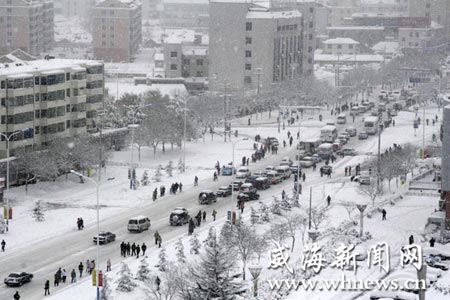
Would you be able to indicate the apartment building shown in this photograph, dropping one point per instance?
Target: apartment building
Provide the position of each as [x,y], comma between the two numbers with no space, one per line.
[76,8]
[116,29]
[252,46]
[437,11]
[191,14]
[26,25]
[341,46]
[46,99]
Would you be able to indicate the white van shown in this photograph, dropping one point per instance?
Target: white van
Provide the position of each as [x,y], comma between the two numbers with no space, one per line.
[284,171]
[138,224]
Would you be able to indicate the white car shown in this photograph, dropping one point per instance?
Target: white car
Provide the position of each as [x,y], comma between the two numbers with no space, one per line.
[286,161]
[243,172]
[307,162]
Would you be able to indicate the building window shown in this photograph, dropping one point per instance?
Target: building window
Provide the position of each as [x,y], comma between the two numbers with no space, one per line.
[417,34]
[248,53]
[199,62]
[248,66]
[339,46]
[199,74]
[248,40]
[247,79]
[328,46]
[173,54]
[350,46]
[187,62]
[248,26]
[311,9]
[311,24]
[310,49]
[173,67]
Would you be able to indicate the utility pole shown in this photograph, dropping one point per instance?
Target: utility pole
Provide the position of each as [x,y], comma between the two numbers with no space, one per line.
[310,204]
[225,113]
[379,156]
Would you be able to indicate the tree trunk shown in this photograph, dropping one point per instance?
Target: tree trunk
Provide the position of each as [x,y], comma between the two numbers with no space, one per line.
[164,147]
[139,152]
[293,243]
[243,271]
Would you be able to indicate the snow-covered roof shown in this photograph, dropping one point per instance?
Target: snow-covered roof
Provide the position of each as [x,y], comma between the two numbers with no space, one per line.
[177,36]
[195,50]
[159,56]
[369,58]
[127,86]
[385,47]
[273,14]
[46,66]
[357,28]
[196,2]
[341,41]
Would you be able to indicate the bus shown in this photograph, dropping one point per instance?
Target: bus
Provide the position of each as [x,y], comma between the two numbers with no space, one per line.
[328,134]
[342,119]
[371,125]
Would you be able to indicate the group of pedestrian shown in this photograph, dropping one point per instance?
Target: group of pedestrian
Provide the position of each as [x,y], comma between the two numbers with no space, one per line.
[130,250]
[60,276]
[175,187]
[80,223]
[245,160]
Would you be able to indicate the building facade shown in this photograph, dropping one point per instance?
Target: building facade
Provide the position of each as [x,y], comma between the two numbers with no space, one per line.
[437,11]
[26,25]
[191,14]
[341,46]
[46,99]
[366,35]
[266,44]
[116,30]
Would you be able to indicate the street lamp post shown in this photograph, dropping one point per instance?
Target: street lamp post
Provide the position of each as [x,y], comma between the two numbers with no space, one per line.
[232,172]
[255,270]
[361,208]
[8,138]
[132,126]
[97,264]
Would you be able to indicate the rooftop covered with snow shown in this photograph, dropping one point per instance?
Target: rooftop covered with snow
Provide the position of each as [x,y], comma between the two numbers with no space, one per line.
[337,41]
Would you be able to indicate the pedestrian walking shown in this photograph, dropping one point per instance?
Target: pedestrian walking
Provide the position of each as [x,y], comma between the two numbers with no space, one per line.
[3,245]
[329,200]
[157,237]
[138,250]
[411,239]
[144,248]
[248,160]
[191,226]
[88,266]
[215,176]
[393,123]
[195,181]
[128,248]
[345,170]
[80,268]
[47,288]
[204,216]
[284,144]
[214,213]
[180,186]
[383,212]
[73,276]
[56,281]
[17,296]
[64,275]
[108,265]
[133,249]
[303,177]
[158,283]
[432,241]
[283,195]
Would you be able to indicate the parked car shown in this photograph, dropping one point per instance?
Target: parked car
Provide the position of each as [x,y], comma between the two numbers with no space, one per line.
[300,154]
[258,173]
[179,216]
[284,171]
[228,170]
[295,168]
[326,170]
[236,185]
[316,158]
[105,237]
[207,197]
[286,161]
[18,279]
[346,135]
[224,191]
[351,131]
[273,177]
[138,224]
[435,262]
[269,169]
[262,183]
[247,188]
[248,196]
[347,152]
[442,254]
[363,135]
[251,179]
[272,141]
[342,139]
[307,162]
[243,172]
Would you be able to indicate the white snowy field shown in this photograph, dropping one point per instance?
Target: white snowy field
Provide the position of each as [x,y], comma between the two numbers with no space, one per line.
[68,199]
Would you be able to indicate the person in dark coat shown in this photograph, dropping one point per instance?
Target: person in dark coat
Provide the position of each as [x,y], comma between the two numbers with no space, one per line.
[214,214]
[56,282]
[47,288]
[383,212]
[158,283]
[411,239]
[432,241]
[3,245]
[204,216]
[138,250]
[157,237]
[303,177]
[73,276]
[128,248]
[191,226]
[133,249]
[195,181]
[180,186]
[17,296]
[80,268]
[329,200]
[144,248]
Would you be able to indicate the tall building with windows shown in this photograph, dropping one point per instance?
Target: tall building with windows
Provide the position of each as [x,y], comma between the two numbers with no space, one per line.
[26,25]
[252,46]
[116,29]
[46,99]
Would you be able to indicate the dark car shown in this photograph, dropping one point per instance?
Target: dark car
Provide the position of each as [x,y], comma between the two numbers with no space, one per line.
[248,196]
[224,191]
[18,279]
[207,197]
[236,185]
[272,141]
[251,179]
[326,170]
[262,183]
[179,216]
[105,237]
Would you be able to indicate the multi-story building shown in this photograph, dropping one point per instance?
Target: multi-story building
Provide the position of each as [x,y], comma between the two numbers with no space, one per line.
[341,46]
[191,14]
[437,11]
[251,46]
[366,35]
[116,29]
[76,8]
[46,99]
[342,10]
[26,25]
[413,38]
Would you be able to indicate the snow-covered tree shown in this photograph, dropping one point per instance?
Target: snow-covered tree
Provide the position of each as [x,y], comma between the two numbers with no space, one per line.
[145,180]
[179,247]
[38,213]
[210,278]
[195,244]
[143,272]
[245,242]
[125,281]
[372,190]
[171,281]
[294,222]
[169,168]
[157,176]
[350,208]
[180,166]
[105,293]
[212,237]
[162,263]
[318,216]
